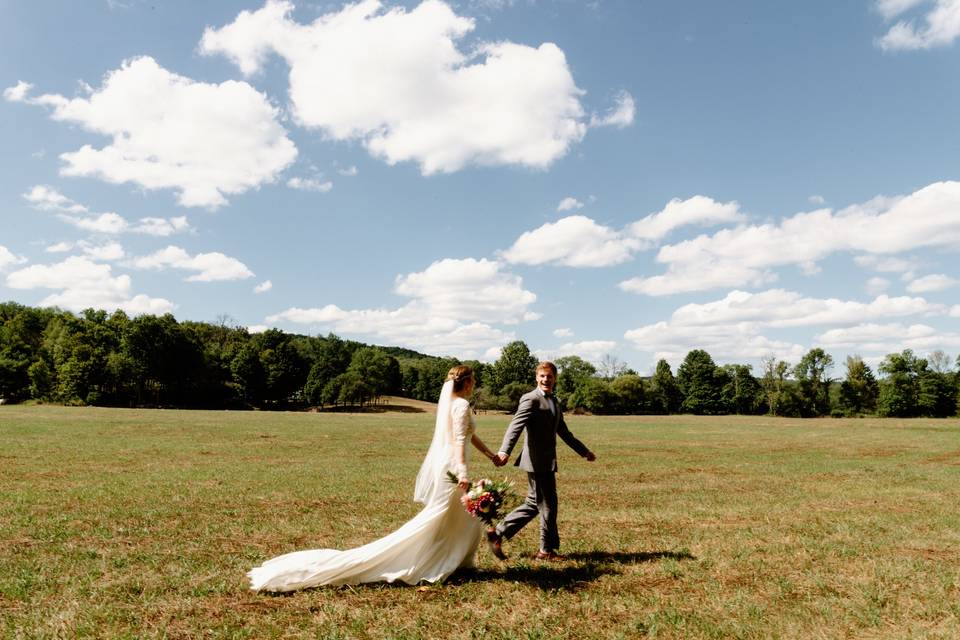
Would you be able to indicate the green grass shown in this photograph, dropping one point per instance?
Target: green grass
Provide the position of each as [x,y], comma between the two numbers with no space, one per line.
[141,524]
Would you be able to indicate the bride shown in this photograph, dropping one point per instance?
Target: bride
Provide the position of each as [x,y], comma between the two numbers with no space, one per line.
[440,539]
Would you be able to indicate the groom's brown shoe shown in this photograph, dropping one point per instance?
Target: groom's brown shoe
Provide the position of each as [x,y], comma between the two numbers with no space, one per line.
[494,543]
[552,556]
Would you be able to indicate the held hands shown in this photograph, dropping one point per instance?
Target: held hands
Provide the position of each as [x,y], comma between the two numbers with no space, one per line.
[499,459]
[464,486]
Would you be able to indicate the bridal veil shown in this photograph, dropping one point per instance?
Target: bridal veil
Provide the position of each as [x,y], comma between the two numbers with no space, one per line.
[433,471]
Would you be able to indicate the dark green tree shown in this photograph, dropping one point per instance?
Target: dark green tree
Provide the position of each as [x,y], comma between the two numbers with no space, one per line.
[597,397]
[378,371]
[700,384]
[574,372]
[779,394]
[741,391]
[628,394]
[331,357]
[900,387]
[859,389]
[814,383]
[664,394]
[515,365]
[938,387]
[284,367]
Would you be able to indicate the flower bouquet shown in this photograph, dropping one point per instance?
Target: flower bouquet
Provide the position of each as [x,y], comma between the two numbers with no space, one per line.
[485,498]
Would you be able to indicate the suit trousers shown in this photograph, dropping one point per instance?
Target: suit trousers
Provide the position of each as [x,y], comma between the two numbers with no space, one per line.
[541,500]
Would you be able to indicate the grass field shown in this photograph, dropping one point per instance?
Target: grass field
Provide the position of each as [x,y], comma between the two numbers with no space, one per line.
[129,523]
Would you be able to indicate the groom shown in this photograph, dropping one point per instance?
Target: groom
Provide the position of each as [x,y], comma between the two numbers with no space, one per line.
[540,416]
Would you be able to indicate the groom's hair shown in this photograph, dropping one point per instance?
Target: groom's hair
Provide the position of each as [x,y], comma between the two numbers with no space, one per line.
[460,375]
[543,366]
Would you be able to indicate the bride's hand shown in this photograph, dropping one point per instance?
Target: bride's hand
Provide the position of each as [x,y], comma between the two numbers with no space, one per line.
[464,486]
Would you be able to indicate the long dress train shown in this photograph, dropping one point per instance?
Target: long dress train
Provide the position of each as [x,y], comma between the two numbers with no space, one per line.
[440,539]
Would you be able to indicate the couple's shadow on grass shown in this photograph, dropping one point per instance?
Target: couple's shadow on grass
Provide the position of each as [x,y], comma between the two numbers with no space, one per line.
[570,575]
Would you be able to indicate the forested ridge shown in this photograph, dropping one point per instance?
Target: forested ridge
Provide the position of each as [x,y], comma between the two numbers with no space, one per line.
[110,359]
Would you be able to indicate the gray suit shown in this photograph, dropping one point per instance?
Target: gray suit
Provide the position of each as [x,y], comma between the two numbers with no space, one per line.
[539,459]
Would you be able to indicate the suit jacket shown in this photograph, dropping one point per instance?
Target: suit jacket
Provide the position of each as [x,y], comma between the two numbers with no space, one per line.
[541,428]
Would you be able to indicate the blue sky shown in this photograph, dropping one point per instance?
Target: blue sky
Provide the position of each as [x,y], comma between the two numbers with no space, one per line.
[623,178]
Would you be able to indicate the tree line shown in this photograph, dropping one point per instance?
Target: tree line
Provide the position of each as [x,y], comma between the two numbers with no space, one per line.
[96,358]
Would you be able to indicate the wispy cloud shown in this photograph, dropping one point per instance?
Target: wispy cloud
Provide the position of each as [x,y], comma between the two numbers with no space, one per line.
[310,184]
[209,267]
[47,198]
[620,115]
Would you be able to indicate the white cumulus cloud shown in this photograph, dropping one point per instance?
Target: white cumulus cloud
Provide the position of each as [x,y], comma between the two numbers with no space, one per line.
[888,338]
[82,283]
[877,285]
[59,247]
[735,326]
[697,210]
[620,115]
[108,223]
[8,258]
[18,92]
[735,342]
[932,282]
[746,255]
[108,252]
[209,267]
[590,350]
[579,241]
[161,226]
[167,131]
[310,184]
[562,333]
[569,204]
[263,287]
[398,81]
[782,308]
[47,198]
[892,8]
[454,305]
[574,241]
[939,28]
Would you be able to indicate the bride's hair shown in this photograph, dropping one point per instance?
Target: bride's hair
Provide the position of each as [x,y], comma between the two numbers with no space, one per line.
[460,375]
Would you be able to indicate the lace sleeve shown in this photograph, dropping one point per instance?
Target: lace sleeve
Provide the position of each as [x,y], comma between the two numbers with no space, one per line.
[462,428]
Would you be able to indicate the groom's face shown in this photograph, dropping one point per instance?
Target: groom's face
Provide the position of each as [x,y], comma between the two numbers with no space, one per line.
[546,380]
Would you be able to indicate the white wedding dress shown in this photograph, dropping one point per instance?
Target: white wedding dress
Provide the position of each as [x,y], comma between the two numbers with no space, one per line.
[440,539]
